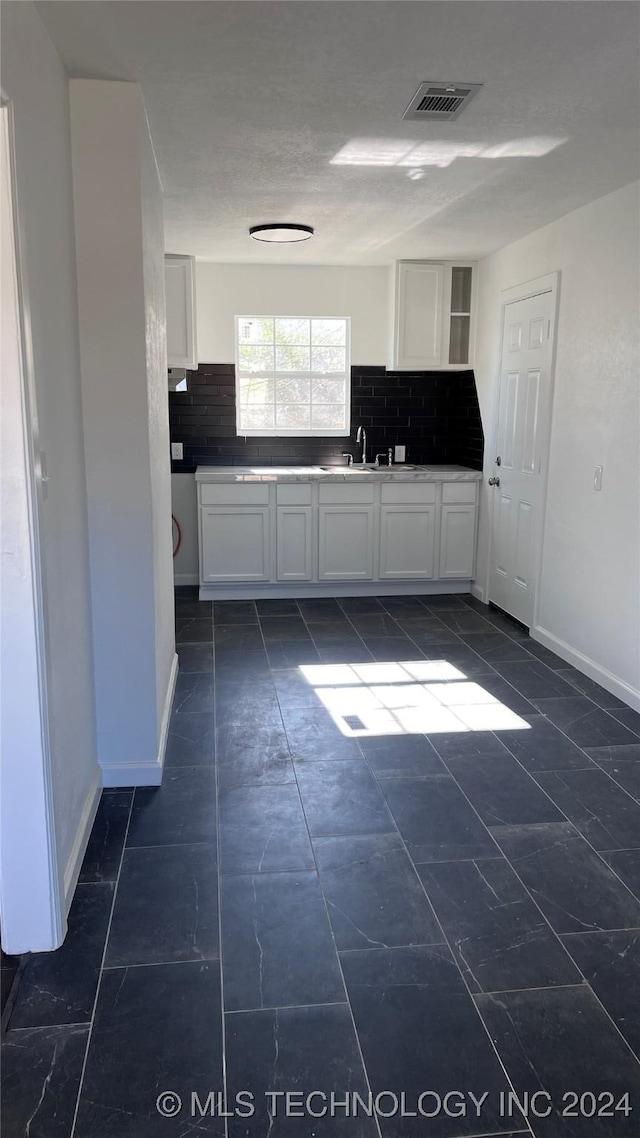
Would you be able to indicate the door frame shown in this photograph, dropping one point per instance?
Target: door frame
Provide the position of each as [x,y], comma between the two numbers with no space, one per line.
[549,283]
[32,901]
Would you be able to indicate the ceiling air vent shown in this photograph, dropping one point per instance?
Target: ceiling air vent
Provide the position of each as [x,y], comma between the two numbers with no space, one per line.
[440,101]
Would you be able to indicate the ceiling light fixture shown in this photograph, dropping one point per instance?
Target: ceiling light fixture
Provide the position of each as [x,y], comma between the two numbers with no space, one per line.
[281,232]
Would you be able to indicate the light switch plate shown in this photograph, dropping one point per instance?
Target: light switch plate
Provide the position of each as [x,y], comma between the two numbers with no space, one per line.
[176,452]
[400,454]
[597,478]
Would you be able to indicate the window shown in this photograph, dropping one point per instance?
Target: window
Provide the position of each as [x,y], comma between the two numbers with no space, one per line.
[292,376]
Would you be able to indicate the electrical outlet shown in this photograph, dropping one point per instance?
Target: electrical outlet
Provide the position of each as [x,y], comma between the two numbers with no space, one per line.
[400,454]
[597,478]
[176,452]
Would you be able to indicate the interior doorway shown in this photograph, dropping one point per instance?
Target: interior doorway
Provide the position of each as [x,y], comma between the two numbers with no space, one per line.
[522,446]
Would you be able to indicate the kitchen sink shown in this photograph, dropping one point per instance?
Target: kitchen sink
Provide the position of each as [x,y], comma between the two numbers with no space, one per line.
[369,468]
[347,469]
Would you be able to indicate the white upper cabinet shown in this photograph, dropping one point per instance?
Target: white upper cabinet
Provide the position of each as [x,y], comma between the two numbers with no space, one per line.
[419,290]
[433,315]
[180,288]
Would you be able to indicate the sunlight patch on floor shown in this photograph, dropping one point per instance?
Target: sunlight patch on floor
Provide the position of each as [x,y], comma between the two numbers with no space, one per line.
[408,697]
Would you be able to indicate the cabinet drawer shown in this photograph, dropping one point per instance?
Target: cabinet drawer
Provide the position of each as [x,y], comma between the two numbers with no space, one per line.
[408,493]
[234,494]
[293,494]
[346,494]
[459,492]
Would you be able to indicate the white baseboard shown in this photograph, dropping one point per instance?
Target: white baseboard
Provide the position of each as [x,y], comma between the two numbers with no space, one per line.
[132,774]
[185,578]
[478,592]
[74,861]
[166,713]
[588,666]
[146,773]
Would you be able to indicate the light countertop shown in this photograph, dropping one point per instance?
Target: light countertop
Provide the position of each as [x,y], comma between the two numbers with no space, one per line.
[400,473]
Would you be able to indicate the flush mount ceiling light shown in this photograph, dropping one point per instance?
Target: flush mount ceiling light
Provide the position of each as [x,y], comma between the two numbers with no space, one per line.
[281,232]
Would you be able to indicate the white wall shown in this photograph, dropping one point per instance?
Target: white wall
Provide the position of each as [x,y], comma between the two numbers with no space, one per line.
[226,291]
[158,417]
[589,596]
[121,310]
[36,84]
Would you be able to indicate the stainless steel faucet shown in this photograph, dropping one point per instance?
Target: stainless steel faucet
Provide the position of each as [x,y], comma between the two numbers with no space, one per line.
[361,437]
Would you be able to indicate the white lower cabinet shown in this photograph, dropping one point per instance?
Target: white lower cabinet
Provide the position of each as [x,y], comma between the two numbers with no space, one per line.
[345,543]
[457,541]
[407,542]
[294,543]
[234,544]
[280,536]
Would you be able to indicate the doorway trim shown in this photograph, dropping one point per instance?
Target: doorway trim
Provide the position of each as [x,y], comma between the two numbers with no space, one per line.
[549,283]
[28,842]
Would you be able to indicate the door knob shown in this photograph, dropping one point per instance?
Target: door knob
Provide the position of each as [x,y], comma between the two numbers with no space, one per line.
[494,481]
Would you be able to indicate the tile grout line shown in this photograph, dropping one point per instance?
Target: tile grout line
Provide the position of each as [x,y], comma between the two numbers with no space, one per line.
[219,872]
[592,763]
[598,853]
[101,971]
[554,933]
[344,616]
[446,942]
[331,933]
[534,659]
[501,853]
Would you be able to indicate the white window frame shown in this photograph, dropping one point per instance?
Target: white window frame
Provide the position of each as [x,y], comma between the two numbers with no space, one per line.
[295,432]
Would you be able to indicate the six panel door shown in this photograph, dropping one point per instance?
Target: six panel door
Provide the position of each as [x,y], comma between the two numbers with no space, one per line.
[523,423]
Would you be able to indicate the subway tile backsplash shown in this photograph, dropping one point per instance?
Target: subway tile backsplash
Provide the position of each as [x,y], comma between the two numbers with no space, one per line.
[435,414]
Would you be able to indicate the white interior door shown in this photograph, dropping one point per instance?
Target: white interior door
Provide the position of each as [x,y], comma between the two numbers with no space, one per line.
[521,452]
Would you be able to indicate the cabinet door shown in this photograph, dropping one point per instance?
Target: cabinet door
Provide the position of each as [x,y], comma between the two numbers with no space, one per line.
[235,544]
[406,542]
[179,276]
[418,315]
[345,547]
[293,543]
[457,541]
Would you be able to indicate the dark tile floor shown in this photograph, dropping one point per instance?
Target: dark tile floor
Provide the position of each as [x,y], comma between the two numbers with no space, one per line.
[396,850]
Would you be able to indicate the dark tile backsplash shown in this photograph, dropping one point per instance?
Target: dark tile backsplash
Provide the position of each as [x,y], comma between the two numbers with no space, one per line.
[434,413]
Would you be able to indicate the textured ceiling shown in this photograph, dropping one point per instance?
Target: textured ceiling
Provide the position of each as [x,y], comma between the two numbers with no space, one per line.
[292,111]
